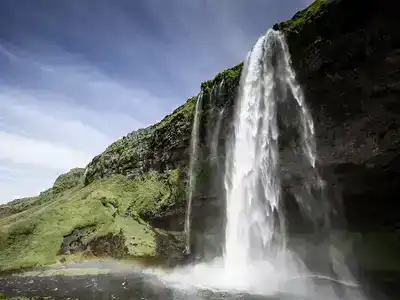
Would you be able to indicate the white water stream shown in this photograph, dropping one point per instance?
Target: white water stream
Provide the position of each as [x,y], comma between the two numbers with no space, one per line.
[256,258]
[194,155]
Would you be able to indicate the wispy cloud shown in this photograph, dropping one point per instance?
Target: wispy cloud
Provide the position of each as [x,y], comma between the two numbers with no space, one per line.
[19,180]
[76,75]
[21,150]
[61,118]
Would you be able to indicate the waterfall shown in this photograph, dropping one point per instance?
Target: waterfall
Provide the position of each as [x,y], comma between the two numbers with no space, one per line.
[254,226]
[194,153]
[215,117]
[256,235]
[256,257]
[215,136]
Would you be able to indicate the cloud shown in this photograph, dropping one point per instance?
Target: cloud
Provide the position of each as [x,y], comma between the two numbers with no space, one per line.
[19,180]
[40,143]
[22,150]
[61,118]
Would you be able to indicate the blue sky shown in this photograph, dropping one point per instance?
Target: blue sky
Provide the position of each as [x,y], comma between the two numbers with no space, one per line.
[75,75]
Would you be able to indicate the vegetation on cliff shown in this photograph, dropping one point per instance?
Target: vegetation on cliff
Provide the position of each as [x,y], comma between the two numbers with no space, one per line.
[230,77]
[306,16]
[69,180]
[146,149]
[326,20]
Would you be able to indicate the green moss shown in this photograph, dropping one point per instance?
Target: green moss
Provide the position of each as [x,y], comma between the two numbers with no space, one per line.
[69,180]
[158,194]
[184,112]
[33,237]
[174,130]
[131,155]
[323,19]
[230,77]
[121,157]
[306,16]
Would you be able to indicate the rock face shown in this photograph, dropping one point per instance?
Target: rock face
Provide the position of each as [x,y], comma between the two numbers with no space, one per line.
[347,59]
[346,55]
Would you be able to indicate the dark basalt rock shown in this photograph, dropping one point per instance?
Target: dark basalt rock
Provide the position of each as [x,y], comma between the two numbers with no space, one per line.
[350,81]
[171,220]
[73,243]
[109,246]
[104,246]
[5,211]
[346,56]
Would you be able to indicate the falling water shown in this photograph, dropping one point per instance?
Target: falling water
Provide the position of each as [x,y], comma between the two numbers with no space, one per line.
[216,133]
[254,226]
[216,116]
[194,148]
[256,257]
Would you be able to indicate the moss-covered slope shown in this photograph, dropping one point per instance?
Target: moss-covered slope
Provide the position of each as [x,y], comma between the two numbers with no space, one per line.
[147,149]
[104,218]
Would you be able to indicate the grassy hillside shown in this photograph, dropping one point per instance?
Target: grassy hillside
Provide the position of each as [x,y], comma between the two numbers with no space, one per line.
[101,219]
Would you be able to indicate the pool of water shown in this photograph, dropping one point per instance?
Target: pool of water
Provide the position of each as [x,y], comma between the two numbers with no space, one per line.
[134,285]
[109,280]
[107,286]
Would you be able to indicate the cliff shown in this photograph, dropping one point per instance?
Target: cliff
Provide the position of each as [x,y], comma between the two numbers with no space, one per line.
[346,54]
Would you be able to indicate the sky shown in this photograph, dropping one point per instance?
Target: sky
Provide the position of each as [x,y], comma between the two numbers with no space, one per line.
[76,75]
